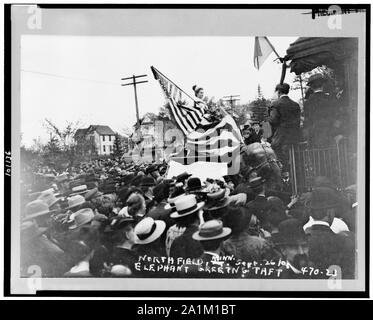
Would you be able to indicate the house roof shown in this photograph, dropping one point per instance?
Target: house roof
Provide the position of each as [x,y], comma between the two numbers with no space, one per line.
[101,130]
[80,133]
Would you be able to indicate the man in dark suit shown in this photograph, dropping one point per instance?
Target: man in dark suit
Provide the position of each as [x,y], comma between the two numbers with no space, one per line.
[322,118]
[325,247]
[284,117]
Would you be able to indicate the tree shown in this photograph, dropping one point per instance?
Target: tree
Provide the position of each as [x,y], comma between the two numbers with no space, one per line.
[64,135]
[118,148]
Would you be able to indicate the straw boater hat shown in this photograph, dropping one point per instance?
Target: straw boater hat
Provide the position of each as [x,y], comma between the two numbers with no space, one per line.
[171,202]
[211,230]
[75,201]
[82,217]
[186,205]
[79,190]
[148,230]
[217,200]
[35,209]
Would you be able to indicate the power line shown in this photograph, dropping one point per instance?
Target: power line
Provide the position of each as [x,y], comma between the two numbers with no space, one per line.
[69,77]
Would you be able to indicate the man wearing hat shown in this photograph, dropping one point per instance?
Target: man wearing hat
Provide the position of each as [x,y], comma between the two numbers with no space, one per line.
[292,245]
[37,249]
[123,238]
[148,237]
[326,247]
[284,118]
[216,204]
[186,216]
[259,205]
[322,118]
[211,236]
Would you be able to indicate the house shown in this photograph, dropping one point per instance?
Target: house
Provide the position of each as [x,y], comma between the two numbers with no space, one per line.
[99,138]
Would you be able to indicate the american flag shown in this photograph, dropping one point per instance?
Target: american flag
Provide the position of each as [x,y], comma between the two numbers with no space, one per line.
[187,112]
[219,143]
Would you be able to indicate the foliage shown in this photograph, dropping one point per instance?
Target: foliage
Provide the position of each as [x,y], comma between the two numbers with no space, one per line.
[118,148]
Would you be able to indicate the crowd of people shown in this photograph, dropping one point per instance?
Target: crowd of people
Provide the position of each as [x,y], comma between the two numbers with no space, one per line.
[104,217]
[109,218]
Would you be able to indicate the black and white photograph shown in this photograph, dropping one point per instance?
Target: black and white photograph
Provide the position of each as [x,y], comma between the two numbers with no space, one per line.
[166,148]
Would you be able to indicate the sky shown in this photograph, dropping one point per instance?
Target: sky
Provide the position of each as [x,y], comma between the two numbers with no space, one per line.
[78,78]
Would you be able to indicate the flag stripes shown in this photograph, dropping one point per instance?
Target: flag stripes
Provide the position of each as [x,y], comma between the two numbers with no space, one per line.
[219,143]
[187,112]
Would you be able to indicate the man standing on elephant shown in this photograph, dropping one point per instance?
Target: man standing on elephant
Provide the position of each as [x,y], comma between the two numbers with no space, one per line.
[284,117]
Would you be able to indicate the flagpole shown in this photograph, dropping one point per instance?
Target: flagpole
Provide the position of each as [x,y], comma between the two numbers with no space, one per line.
[273,48]
[156,70]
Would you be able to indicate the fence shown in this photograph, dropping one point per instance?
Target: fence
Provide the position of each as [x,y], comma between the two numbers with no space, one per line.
[307,162]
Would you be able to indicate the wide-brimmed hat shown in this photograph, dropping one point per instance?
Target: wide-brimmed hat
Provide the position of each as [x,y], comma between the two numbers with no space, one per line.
[74,201]
[93,193]
[82,217]
[322,198]
[290,232]
[186,205]
[30,229]
[49,198]
[35,209]
[211,230]
[148,230]
[217,200]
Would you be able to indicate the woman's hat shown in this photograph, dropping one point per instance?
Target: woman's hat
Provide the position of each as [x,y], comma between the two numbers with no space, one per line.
[75,201]
[148,230]
[35,209]
[212,230]
[186,205]
[322,198]
[217,200]
[82,217]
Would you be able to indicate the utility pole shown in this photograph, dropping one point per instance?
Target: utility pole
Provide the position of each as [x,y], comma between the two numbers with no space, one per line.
[134,83]
[231,99]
